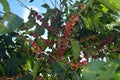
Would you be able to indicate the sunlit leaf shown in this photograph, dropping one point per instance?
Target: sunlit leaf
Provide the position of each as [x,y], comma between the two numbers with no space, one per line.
[96,20]
[111,4]
[115,3]
[27,67]
[36,69]
[117,76]
[104,8]
[5,5]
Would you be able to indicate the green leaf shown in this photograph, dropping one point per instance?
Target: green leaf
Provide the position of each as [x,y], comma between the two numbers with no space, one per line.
[36,69]
[45,6]
[86,22]
[57,69]
[111,4]
[14,22]
[39,30]
[90,71]
[27,67]
[26,44]
[8,40]
[48,14]
[90,23]
[3,29]
[30,23]
[99,70]
[2,69]
[2,49]
[104,8]
[96,20]
[117,76]
[115,3]
[14,63]
[5,5]
[107,72]
[42,44]
[75,48]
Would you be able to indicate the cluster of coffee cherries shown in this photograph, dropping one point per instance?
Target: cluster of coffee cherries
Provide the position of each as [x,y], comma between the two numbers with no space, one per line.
[67,31]
[45,24]
[74,66]
[12,78]
[36,48]
[49,43]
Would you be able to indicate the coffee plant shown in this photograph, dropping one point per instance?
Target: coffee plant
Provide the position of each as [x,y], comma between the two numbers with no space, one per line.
[83,41]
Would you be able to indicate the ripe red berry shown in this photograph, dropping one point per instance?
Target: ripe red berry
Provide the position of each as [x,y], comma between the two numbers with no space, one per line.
[80,6]
[38,17]
[4,78]
[35,13]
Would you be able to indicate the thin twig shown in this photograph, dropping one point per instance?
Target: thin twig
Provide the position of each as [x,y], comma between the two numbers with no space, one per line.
[53,3]
[57,3]
[23,5]
[62,4]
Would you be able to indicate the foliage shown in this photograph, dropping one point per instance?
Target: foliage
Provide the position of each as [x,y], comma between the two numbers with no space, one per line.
[83,36]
